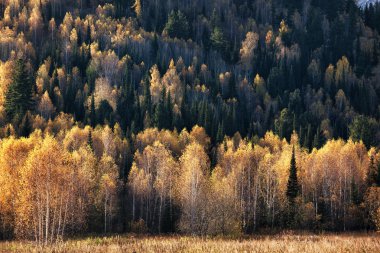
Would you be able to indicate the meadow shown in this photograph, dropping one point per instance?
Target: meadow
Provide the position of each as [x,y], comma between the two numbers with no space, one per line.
[334,243]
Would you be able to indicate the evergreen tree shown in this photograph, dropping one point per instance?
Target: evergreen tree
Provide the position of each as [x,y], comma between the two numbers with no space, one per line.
[316,140]
[364,128]
[92,112]
[104,113]
[88,35]
[355,192]
[293,188]
[177,25]
[372,173]
[160,113]
[306,142]
[147,102]
[378,175]
[220,133]
[90,141]
[137,114]
[19,97]
[217,40]
[284,124]
[126,105]
[169,112]
[8,134]
[232,87]
[154,48]
[26,128]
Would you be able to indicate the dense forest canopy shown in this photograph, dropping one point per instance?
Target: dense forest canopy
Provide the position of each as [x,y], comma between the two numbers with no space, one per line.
[229,66]
[202,116]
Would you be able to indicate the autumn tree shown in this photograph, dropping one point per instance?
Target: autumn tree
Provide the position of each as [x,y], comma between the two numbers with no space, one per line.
[372,203]
[138,8]
[46,194]
[173,84]
[152,180]
[45,106]
[192,187]
[108,188]
[155,85]
[248,49]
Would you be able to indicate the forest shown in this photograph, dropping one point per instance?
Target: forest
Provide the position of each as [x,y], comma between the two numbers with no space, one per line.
[202,117]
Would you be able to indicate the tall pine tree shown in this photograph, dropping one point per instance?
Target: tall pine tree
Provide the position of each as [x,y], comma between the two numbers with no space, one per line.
[92,112]
[19,97]
[293,188]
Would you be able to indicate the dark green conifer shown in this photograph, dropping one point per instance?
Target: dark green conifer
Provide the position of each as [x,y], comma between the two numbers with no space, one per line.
[90,141]
[293,188]
[220,133]
[92,112]
[19,97]
[177,25]
[160,115]
[26,128]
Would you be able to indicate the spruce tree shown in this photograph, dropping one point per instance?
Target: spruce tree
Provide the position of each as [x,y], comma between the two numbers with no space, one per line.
[217,40]
[316,140]
[378,175]
[25,127]
[355,192]
[169,112]
[19,97]
[160,113]
[371,174]
[147,102]
[220,133]
[137,114]
[90,141]
[293,188]
[92,112]
[177,25]
[232,87]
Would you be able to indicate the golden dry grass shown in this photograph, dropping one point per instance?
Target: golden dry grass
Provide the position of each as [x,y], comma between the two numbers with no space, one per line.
[157,244]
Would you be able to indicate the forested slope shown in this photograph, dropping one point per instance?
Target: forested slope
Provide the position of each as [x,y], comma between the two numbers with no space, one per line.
[116,99]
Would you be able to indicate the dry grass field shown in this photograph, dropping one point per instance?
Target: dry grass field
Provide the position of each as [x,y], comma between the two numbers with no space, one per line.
[279,243]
